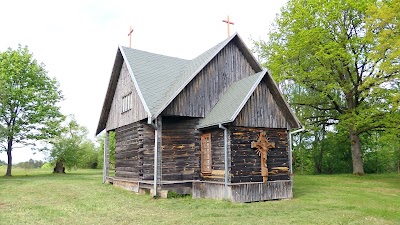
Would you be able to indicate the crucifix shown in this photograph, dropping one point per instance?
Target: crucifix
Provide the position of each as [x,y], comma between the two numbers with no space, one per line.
[263,146]
[130,35]
[228,22]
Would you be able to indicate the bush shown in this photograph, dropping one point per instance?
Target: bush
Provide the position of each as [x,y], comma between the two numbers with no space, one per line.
[47,166]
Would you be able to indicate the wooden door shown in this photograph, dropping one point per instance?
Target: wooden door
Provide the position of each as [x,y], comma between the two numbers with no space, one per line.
[206,159]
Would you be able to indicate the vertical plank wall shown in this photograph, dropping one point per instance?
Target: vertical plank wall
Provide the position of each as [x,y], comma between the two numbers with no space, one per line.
[125,86]
[261,110]
[203,92]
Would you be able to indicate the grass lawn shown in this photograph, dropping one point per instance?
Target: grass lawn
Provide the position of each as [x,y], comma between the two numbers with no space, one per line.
[79,197]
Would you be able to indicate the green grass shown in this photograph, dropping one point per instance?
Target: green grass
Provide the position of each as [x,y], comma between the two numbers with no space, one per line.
[78,197]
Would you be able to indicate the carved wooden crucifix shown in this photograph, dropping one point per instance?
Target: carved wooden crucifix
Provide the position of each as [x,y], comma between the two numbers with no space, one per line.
[263,146]
[229,23]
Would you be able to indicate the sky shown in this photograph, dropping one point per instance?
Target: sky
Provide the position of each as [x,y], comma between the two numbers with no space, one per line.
[78,40]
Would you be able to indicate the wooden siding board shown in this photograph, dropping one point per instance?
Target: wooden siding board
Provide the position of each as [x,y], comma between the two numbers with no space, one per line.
[246,163]
[262,110]
[244,192]
[203,92]
[125,86]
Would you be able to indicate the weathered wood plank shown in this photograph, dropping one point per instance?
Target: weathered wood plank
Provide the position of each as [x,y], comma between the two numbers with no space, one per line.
[246,163]
[125,86]
[203,92]
[134,150]
[262,110]
[180,148]
[244,192]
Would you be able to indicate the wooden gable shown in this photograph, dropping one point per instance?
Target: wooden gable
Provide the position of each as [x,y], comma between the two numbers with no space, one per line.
[203,92]
[263,110]
[116,117]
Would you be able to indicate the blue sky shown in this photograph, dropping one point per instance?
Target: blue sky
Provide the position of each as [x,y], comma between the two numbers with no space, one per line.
[77,40]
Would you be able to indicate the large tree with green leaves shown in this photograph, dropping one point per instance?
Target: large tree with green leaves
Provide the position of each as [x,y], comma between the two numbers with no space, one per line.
[344,54]
[72,148]
[28,102]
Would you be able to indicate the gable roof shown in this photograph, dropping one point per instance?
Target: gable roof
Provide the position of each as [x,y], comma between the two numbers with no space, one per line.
[158,79]
[232,102]
[236,96]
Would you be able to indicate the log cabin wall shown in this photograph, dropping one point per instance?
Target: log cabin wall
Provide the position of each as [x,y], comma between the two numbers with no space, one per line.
[116,117]
[203,92]
[246,163]
[180,148]
[262,110]
[134,148]
[217,154]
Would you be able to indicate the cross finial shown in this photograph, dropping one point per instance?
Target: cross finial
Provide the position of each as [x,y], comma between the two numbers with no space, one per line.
[130,36]
[228,22]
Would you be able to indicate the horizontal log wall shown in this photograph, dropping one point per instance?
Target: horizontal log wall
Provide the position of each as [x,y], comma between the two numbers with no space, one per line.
[246,163]
[262,110]
[203,92]
[134,148]
[180,148]
[217,154]
[125,86]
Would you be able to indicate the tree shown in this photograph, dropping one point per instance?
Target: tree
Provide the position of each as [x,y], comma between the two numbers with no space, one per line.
[72,149]
[28,102]
[335,50]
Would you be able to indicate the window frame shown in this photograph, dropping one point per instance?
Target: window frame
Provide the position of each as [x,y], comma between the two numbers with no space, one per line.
[126,103]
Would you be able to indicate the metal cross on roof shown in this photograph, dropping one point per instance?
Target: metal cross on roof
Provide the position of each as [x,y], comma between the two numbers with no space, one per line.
[228,22]
[130,35]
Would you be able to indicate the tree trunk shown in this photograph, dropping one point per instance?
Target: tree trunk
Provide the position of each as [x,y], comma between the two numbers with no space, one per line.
[9,156]
[358,164]
[59,168]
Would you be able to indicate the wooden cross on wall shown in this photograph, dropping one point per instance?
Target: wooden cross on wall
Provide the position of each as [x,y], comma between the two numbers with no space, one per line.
[263,146]
[229,23]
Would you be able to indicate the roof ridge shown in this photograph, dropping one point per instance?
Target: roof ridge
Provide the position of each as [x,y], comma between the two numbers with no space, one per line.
[190,70]
[135,49]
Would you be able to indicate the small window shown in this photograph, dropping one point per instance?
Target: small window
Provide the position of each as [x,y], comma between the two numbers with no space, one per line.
[127,102]
[206,159]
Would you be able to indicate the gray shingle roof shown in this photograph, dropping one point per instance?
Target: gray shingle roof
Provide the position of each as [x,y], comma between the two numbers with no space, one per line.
[159,78]
[153,74]
[230,104]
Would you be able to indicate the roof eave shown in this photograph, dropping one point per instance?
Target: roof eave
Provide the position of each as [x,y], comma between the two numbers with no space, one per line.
[227,41]
[253,88]
[145,106]
[297,123]
[246,52]
[214,124]
[111,85]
